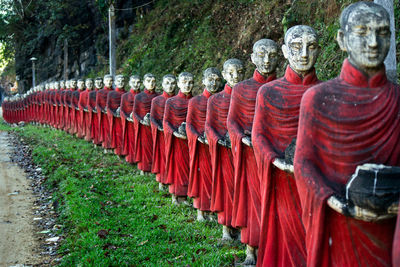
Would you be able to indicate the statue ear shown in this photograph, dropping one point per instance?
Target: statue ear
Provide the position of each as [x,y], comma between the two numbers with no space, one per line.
[253,59]
[340,39]
[285,51]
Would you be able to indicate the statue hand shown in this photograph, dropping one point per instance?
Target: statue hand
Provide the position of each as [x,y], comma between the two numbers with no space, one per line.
[201,139]
[247,141]
[160,128]
[282,165]
[117,111]
[179,135]
[341,206]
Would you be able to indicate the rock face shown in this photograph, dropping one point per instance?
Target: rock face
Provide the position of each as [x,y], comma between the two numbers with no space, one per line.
[85,25]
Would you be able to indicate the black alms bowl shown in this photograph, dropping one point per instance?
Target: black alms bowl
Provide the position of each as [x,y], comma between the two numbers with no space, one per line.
[374,187]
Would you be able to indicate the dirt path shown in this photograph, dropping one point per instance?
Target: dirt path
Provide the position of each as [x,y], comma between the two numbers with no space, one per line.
[17,241]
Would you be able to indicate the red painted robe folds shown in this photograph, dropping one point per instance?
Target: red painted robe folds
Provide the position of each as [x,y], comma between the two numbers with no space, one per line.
[156,119]
[275,124]
[67,105]
[75,116]
[83,119]
[345,122]
[128,127]
[113,103]
[221,157]
[143,139]
[247,198]
[104,125]
[176,149]
[396,243]
[61,109]
[200,183]
[94,134]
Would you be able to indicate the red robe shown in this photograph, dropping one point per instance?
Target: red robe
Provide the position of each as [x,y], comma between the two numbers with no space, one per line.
[176,149]
[83,119]
[61,109]
[113,103]
[200,184]
[104,125]
[156,119]
[221,157]
[128,127]
[67,105]
[345,122]
[143,139]
[94,134]
[75,116]
[396,243]
[275,124]
[247,198]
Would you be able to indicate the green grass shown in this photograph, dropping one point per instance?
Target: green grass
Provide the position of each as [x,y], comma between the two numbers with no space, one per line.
[112,216]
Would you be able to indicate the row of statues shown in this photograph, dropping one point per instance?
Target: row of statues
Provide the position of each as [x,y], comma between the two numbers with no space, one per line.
[304,172]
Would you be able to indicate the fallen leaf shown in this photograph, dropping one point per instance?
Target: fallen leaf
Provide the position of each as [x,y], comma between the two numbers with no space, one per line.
[102,233]
[143,242]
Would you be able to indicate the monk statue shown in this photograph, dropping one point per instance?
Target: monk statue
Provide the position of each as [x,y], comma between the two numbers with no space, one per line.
[200,182]
[126,107]
[219,146]
[74,115]
[101,103]
[274,127]
[246,212]
[176,145]
[78,118]
[93,119]
[141,118]
[83,106]
[113,114]
[157,132]
[347,144]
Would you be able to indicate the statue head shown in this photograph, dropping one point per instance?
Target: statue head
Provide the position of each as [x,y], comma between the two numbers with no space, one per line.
[89,83]
[73,83]
[81,84]
[56,85]
[169,84]
[108,81]
[265,56]
[47,86]
[98,83]
[233,71]
[301,48]
[365,35]
[185,82]
[62,84]
[212,80]
[149,81]
[135,82]
[120,81]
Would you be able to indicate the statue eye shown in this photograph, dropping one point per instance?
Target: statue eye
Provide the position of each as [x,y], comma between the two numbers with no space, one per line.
[384,32]
[295,46]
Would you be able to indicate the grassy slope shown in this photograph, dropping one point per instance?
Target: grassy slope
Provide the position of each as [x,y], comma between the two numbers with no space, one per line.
[180,35]
[112,216]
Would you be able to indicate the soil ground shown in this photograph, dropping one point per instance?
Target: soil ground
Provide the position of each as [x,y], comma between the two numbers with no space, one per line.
[18,244]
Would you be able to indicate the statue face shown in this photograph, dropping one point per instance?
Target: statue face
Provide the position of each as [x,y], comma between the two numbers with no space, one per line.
[212,82]
[62,84]
[185,84]
[89,84]
[81,85]
[366,38]
[98,84]
[108,81]
[301,49]
[120,82]
[149,83]
[233,74]
[57,85]
[47,86]
[169,85]
[265,57]
[73,84]
[134,83]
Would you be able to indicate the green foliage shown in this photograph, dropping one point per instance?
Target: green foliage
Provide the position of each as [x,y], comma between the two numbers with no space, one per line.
[112,216]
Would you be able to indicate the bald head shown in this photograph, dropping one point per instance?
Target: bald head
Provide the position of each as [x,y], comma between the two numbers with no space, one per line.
[365,35]
[265,56]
